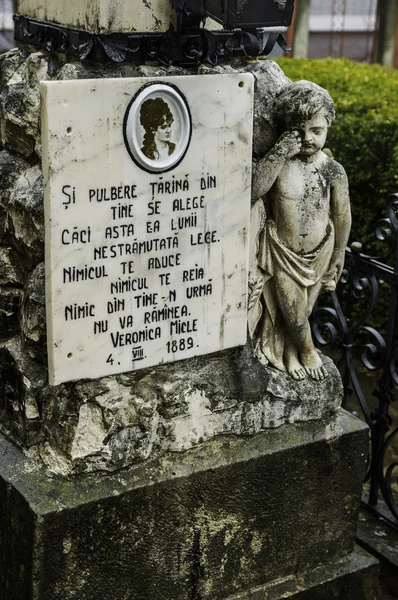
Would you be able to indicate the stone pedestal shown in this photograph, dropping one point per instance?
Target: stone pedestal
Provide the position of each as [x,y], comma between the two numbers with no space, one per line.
[224,520]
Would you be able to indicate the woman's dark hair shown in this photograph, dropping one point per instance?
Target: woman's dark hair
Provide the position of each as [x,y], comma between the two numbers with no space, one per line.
[154,112]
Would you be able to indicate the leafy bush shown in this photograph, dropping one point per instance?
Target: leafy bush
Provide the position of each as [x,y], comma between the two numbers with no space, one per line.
[364,136]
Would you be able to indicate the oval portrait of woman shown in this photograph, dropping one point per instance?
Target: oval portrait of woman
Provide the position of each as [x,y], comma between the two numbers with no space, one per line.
[157,127]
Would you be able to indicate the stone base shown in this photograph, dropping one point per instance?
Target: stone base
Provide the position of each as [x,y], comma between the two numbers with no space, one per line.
[228,516]
[354,577]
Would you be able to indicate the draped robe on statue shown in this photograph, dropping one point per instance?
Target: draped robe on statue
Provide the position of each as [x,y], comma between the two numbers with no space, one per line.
[268,253]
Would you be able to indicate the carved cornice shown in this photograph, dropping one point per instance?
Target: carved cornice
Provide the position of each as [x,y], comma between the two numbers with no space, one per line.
[170,47]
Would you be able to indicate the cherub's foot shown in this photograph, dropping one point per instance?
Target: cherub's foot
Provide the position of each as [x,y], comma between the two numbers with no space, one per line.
[295,368]
[313,365]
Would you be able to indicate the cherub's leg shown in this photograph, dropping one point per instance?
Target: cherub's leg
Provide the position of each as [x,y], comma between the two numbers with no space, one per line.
[316,372]
[292,300]
[293,303]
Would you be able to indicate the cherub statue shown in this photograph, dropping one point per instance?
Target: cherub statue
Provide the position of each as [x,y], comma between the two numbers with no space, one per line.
[299,232]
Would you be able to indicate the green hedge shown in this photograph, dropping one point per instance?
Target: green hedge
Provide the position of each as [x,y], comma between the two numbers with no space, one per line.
[364,136]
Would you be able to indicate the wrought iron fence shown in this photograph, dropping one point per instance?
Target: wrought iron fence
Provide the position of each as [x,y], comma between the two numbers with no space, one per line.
[360,323]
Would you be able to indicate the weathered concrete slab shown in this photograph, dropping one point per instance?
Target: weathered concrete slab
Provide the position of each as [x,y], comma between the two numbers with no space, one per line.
[225,517]
[350,578]
[378,537]
[100,16]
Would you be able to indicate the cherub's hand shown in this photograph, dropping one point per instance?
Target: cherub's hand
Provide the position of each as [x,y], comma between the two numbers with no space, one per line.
[337,262]
[334,271]
[329,286]
[289,144]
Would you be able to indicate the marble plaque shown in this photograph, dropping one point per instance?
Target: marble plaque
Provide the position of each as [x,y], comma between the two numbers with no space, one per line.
[147,201]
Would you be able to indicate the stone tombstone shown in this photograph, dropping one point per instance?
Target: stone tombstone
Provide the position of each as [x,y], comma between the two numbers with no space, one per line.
[147,204]
[214,477]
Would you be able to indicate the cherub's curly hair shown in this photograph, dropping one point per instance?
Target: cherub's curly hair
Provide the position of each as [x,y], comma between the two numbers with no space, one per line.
[300,100]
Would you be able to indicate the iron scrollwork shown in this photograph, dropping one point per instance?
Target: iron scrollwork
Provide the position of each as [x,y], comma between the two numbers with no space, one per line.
[344,322]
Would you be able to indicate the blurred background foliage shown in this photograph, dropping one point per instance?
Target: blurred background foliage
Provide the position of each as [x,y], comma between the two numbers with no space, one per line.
[364,136]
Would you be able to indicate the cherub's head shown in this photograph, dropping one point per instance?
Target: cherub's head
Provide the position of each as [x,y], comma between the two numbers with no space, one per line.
[306,107]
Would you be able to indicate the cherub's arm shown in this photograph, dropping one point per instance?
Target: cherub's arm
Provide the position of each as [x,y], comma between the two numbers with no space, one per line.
[340,213]
[268,168]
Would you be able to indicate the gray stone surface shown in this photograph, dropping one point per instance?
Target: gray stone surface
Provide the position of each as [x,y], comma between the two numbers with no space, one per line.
[12,270]
[354,577]
[9,310]
[10,168]
[228,516]
[25,222]
[21,380]
[20,101]
[15,264]
[33,315]
[378,537]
